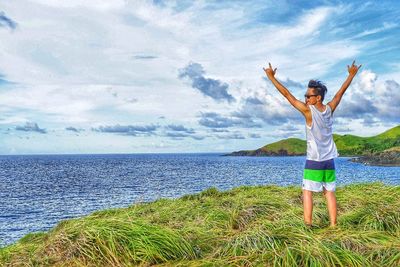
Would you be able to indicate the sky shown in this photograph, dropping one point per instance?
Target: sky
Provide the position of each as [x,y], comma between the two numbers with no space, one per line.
[187,76]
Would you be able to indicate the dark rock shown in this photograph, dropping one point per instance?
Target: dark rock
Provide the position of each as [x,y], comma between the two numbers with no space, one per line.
[389,157]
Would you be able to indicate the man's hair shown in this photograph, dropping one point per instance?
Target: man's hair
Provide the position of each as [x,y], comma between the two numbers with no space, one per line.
[319,87]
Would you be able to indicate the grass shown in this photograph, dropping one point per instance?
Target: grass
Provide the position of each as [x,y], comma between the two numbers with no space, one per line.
[245,226]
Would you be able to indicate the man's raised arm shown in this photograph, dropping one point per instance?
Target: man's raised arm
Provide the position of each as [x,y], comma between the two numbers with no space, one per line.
[336,99]
[302,107]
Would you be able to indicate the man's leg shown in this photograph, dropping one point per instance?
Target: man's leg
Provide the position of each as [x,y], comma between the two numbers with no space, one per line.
[308,206]
[314,172]
[332,207]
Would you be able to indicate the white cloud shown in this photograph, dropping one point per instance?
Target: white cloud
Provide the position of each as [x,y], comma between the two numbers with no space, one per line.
[367,81]
[92,4]
[371,100]
[385,26]
[64,56]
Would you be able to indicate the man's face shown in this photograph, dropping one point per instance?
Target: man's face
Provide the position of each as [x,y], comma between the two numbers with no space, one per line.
[311,97]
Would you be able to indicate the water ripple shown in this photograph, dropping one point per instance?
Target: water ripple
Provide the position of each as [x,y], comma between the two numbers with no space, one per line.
[37,192]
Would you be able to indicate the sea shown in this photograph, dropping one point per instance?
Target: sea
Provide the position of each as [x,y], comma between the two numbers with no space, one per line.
[39,191]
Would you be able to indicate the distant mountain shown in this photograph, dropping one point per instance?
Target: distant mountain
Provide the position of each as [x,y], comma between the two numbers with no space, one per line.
[352,145]
[286,147]
[347,145]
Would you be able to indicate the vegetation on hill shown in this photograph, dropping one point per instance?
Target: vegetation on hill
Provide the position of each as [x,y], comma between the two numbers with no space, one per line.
[351,145]
[286,147]
[245,226]
[347,145]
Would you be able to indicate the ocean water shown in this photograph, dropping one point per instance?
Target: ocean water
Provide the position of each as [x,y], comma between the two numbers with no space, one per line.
[38,191]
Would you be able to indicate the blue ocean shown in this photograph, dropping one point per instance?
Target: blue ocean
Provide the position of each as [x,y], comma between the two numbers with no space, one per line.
[38,191]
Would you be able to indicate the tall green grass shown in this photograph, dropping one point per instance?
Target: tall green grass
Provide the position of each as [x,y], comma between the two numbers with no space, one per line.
[245,226]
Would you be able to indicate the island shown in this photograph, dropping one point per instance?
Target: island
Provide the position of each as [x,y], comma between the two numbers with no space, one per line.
[286,147]
[381,149]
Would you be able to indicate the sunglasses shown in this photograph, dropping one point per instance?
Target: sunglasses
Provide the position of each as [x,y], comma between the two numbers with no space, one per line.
[308,96]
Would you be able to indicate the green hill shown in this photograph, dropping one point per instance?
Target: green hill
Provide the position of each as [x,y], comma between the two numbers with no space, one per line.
[347,145]
[351,145]
[286,147]
[245,226]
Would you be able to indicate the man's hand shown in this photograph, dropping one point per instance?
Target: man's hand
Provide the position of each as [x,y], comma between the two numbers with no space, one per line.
[302,107]
[338,96]
[353,69]
[270,72]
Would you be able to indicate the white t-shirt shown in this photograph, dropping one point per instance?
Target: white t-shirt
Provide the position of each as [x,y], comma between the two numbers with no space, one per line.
[320,144]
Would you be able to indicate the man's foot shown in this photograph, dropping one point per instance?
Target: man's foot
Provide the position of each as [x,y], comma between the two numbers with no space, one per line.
[309,225]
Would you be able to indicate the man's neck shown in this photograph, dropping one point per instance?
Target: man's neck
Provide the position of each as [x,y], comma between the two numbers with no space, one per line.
[320,106]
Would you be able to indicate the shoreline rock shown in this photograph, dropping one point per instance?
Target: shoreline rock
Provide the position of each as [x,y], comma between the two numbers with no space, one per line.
[388,158]
[264,153]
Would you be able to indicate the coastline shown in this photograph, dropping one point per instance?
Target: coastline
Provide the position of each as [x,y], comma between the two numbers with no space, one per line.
[386,158]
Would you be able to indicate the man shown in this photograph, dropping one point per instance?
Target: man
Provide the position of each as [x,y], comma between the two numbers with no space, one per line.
[319,171]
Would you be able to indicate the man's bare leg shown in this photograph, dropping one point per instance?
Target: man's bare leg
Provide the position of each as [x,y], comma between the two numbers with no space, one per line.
[308,206]
[332,206]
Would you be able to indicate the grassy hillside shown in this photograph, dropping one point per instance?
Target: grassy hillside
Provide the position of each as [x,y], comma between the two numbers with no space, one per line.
[286,147]
[245,226]
[355,145]
[293,146]
[347,145]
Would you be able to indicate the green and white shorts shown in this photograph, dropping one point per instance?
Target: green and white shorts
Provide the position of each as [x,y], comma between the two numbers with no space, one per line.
[319,175]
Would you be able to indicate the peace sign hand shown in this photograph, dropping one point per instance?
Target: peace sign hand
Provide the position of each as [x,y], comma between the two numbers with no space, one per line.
[270,73]
[353,69]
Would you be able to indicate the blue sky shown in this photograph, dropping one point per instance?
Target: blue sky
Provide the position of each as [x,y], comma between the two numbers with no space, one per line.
[187,76]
